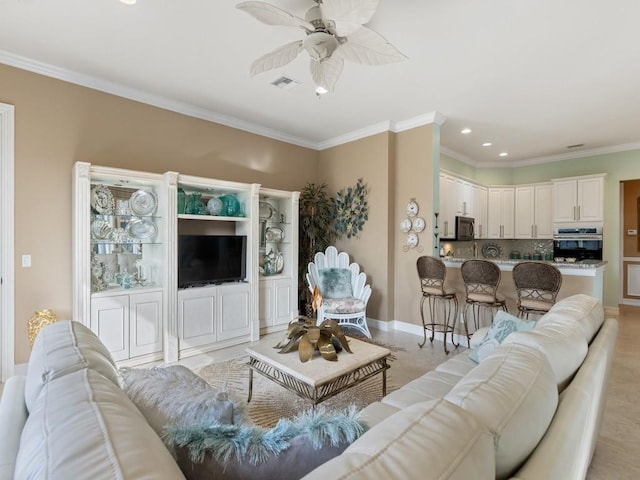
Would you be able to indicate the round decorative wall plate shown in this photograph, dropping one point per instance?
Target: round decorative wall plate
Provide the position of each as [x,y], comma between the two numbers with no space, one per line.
[412,240]
[412,208]
[419,224]
[405,225]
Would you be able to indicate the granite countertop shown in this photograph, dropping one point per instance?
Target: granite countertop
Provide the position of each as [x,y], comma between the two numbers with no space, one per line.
[507,261]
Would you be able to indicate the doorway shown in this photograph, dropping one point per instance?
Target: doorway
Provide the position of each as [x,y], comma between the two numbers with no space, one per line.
[630,242]
[6,240]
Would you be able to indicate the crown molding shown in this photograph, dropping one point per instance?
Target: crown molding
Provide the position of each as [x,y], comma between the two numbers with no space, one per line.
[355,135]
[458,156]
[388,126]
[426,119]
[130,93]
[625,147]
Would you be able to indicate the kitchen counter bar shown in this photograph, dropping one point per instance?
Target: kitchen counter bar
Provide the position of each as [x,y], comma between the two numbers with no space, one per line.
[578,277]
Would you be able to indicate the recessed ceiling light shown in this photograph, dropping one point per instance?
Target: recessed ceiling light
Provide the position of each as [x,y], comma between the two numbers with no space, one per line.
[128,2]
[487,144]
[465,131]
[503,154]
[321,90]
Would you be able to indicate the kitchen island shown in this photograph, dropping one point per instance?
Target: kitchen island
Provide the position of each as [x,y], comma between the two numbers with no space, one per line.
[577,277]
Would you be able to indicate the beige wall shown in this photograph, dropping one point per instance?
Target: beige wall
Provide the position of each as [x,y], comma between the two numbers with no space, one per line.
[397,167]
[372,160]
[59,123]
[414,179]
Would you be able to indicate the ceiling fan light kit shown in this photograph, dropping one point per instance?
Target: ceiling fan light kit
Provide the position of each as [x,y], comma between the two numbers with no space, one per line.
[335,32]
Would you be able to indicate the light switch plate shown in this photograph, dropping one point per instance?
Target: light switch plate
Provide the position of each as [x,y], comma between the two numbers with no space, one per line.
[26,261]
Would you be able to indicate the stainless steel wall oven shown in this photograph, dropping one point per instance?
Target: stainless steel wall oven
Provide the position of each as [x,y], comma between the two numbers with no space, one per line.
[582,243]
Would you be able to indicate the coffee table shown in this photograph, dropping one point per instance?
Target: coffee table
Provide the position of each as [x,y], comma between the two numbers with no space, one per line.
[319,379]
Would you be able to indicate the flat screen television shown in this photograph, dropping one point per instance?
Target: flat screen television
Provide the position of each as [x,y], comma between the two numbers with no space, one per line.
[211,259]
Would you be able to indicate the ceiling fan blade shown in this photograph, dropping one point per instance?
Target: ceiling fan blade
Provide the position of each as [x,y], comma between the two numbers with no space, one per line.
[325,72]
[271,15]
[370,48]
[348,15]
[277,58]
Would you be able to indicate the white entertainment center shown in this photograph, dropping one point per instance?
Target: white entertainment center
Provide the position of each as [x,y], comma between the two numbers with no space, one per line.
[126,230]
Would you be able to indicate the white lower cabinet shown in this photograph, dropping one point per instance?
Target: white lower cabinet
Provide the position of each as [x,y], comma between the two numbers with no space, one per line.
[210,315]
[277,306]
[129,325]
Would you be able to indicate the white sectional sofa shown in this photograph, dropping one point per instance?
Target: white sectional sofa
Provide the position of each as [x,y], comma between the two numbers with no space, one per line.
[69,418]
[530,410]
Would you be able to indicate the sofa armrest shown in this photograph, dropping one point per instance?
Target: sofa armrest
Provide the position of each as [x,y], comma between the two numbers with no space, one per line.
[13,416]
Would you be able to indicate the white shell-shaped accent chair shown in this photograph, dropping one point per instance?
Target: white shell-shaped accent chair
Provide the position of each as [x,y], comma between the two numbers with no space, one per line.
[343,287]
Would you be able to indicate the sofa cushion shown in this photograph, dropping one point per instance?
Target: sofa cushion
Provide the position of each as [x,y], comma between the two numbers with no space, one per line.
[375,412]
[582,310]
[513,393]
[175,394]
[459,365]
[429,440]
[84,426]
[335,282]
[503,325]
[567,447]
[13,415]
[430,386]
[65,347]
[562,343]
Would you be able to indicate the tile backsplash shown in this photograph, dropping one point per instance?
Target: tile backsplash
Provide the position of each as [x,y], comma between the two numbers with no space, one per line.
[544,248]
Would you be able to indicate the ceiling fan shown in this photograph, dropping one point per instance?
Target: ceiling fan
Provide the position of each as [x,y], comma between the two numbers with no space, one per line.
[335,32]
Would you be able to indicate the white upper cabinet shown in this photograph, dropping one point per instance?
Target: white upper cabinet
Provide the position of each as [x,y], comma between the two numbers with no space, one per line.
[460,198]
[579,200]
[533,211]
[500,206]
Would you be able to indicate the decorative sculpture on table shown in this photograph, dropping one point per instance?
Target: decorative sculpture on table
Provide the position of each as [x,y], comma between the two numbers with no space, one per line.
[306,337]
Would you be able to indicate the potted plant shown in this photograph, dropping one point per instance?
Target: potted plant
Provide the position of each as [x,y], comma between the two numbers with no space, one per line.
[315,233]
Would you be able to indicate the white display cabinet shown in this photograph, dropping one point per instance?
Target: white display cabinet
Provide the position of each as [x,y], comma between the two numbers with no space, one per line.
[277,258]
[119,261]
[214,311]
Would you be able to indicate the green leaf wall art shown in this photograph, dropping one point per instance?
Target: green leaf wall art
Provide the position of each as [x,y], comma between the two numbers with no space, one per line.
[350,210]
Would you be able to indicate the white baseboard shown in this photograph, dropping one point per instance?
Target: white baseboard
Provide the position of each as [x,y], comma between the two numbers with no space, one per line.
[611,311]
[412,328]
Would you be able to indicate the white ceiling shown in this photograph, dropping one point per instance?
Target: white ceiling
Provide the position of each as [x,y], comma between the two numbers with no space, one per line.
[530,76]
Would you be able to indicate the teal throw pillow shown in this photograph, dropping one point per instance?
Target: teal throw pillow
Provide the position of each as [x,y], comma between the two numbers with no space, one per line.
[335,282]
[503,325]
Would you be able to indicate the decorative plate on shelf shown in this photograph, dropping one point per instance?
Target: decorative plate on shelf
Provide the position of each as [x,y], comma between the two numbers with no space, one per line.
[141,229]
[101,229]
[266,211]
[102,200]
[491,250]
[214,205]
[274,234]
[143,202]
[405,225]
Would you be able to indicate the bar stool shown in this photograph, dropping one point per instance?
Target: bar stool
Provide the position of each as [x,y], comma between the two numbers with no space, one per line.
[537,285]
[481,279]
[432,272]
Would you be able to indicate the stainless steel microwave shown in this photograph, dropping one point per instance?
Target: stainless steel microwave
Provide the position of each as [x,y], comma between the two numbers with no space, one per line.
[464,228]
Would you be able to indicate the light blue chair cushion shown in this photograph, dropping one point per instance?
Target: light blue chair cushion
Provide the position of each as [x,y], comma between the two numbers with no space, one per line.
[335,282]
